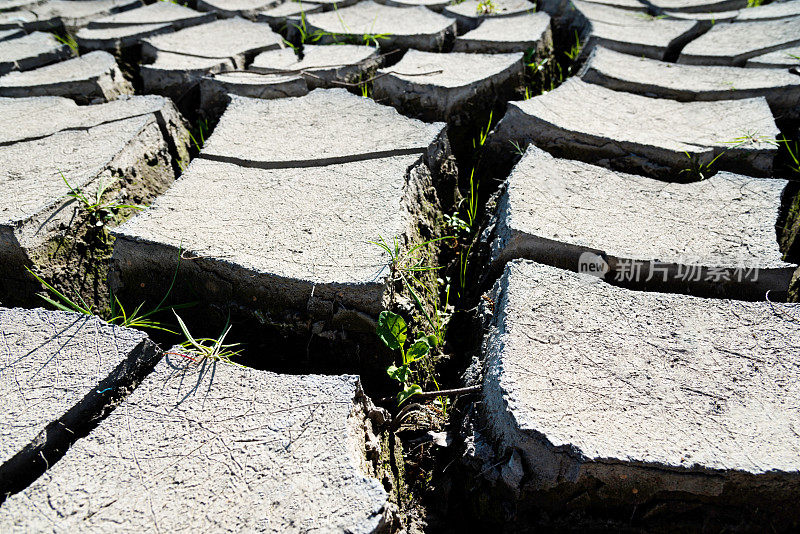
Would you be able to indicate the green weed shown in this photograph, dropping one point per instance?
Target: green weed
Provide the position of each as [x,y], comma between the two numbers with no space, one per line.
[698,170]
[99,211]
[70,41]
[485,7]
[199,350]
[393,332]
[410,267]
[117,314]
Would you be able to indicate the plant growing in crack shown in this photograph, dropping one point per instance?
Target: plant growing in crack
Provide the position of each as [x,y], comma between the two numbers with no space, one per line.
[117,313]
[99,212]
[485,7]
[70,41]
[393,332]
[408,267]
[699,170]
[199,350]
[304,35]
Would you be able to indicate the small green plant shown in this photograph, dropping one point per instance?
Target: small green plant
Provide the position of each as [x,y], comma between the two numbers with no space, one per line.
[793,152]
[201,128]
[518,149]
[483,134]
[576,48]
[117,313]
[699,170]
[70,41]
[393,332]
[374,39]
[472,200]
[456,223]
[486,7]
[100,212]
[303,33]
[199,350]
[409,267]
[648,16]
[754,3]
[60,301]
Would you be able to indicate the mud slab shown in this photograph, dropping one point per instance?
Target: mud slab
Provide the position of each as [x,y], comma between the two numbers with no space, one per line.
[176,61]
[219,447]
[25,119]
[216,89]
[715,237]
[123,30]
[776,10]
[650,136]
[31,51]
[313,181]
[784,58]
[735,43]
[695,6]
[248,9]
[10,34]
[128,146]
[61,371]
[454,87]
[75,15]
[282,17]
[666,402]
[401,27]
[635,33]
[433,5]
[508,34]
[470,13]
[322,66]
[689,83]
[91,78]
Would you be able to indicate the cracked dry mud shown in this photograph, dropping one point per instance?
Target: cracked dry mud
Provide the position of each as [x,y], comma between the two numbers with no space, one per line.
[595,207]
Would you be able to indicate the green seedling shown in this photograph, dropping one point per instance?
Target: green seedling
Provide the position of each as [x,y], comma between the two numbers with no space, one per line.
[455,222]
[576,48]
[117,313]
[409,267]
[199,350]
[70,41]
[472,200]
[202,129]
[699,170]
[305,35]
[483,134]
[59,300]
[99,212]
[518,149]
[393,332]
[486,7]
